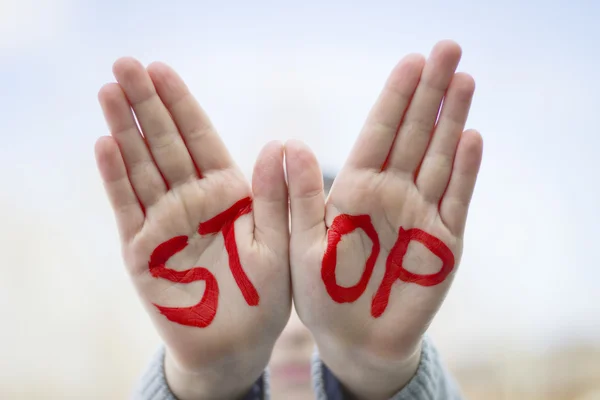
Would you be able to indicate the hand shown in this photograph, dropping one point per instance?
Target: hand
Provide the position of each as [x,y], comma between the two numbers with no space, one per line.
[372,265]
[207,254]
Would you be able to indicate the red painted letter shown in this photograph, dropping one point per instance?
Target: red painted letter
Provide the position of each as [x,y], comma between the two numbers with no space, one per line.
[202,314]
[394,269]
[342,225]
[224,222]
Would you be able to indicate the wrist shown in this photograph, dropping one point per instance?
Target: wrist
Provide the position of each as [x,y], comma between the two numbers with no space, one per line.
[228,379]
[366,375]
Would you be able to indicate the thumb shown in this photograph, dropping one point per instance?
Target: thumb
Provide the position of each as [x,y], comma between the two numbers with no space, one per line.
[305,181]
[270,204]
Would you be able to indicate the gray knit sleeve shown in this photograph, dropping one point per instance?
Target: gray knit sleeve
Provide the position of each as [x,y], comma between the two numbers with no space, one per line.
[431,382]
[153,383]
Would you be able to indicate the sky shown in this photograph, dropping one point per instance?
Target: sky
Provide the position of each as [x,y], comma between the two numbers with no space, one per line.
[311,71]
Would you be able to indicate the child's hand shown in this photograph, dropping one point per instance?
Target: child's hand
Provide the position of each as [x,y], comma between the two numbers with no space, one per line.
[371,298]
[209,262]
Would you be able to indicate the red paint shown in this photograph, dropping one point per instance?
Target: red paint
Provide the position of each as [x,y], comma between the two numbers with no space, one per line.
[225,222]
[342,225]
[202,314]
[198,172]
[394,269]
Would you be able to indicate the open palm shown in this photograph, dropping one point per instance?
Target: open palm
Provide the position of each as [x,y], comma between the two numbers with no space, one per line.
[207,253]
[372,265]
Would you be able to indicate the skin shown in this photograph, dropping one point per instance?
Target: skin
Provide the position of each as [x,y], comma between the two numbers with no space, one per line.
[426,183]
[174,173]
[165,188]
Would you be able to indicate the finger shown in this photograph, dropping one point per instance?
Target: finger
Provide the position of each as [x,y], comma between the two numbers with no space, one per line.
[124,202]
[143,173]
[434,173]
[417,125]
[166,145]
[455,203]
[305,185]
[204,144]
[270,204]
[375,141]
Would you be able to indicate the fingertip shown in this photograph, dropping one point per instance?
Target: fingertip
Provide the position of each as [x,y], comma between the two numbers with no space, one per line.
[474,140]
[469,152]
[159,70]
[128,211]
[413,60]
[158,66]
[109,93]
[297,151]
[268,168]
[445,55]
[475,134]
[299,159]
[293,145]
[455,203]
[105,91]
[271,198]
[107,157]
[303,170]
[168,83]
[464,84]
[408,70]
[273,146]
[272,152]
[126,65]
[133,79]
[447,47]
[305,185]
[104,146]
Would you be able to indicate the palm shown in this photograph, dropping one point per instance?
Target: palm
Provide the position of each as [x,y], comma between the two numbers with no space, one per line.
[413,188]
[179,213]
[392,202]
[205,250]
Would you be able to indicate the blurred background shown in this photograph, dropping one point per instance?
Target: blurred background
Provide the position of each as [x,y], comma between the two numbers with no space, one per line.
[523,318]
